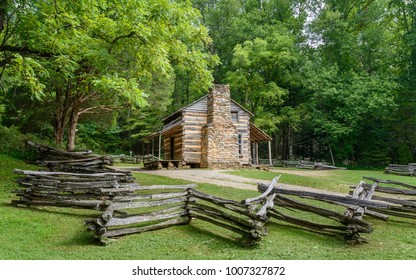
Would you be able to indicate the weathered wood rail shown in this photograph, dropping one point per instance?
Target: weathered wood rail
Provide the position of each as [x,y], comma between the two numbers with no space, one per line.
[126,207]
[304,164]
[75,190]
[399,197]
[404,170]
[178,205]
[71,161]
[141,209]
[322,218]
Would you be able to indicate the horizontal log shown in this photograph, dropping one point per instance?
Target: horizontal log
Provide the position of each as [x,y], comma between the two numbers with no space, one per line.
[49,173]
[288,202]
[326,197]
[165,224]
[77,154]
[376,215]
[60,197]
[220,215]
[100,186]
[144,218]
[315,227]
[125,198]
[98,159]
[395,213]
[391,182]
[392,190]
[214,199]
[131,205]
[291,203]
[90,204]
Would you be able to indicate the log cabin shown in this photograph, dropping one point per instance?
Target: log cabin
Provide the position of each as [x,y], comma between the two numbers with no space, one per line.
[211,132]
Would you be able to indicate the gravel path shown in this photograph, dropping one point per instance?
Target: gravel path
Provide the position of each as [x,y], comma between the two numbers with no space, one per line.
[218,177]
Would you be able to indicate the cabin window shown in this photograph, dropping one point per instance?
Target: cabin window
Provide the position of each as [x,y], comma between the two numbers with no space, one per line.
[234,116]
[240,144]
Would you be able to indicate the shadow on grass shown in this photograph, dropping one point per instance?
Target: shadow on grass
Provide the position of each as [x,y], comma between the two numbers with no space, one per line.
[304,235]
[82,238]
[213,239]
[69,212]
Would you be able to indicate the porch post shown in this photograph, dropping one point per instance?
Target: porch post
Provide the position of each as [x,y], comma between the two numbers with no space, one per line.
[270,153]
[143,150]
[160,143]
[257,153]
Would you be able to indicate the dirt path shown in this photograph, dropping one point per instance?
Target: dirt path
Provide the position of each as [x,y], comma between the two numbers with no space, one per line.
[218,177]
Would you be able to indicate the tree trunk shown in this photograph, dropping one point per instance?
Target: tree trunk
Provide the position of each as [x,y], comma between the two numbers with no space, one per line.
[3,11]
[59,132]
[72,127]
[290,143]
[60,116]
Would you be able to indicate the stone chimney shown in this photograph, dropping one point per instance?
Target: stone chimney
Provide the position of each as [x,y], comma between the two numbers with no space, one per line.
[219,136]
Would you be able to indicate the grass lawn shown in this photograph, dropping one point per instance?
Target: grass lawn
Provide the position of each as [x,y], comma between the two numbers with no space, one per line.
[58,233]
[332,180]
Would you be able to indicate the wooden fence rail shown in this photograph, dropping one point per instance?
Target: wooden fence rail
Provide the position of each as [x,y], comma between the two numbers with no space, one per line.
[81,162]
[346,224]
[178,205]
[398,169]
[399,197]
[75,190]
[126,207]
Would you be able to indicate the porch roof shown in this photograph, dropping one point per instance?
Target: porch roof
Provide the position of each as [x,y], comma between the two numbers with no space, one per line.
[258,135]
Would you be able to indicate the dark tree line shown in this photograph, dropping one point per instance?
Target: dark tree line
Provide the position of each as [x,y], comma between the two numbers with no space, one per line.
[328,79]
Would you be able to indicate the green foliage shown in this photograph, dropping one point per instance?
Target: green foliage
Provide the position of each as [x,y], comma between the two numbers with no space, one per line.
[13,143]
[96,56]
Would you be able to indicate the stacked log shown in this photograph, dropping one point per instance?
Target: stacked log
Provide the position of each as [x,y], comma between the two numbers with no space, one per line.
[141,209]
[304,164]
[71,161]
[404,170]
[290,163]
[346,224]
[400,198]
[75,190]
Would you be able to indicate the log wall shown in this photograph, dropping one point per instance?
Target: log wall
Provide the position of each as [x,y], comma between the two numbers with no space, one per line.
[192,132]
[177,134]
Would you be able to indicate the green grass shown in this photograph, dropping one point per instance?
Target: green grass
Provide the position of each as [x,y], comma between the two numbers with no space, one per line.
[58,233]
[332,180]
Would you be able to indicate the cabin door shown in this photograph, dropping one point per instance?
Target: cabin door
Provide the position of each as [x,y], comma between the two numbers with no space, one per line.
[172,147]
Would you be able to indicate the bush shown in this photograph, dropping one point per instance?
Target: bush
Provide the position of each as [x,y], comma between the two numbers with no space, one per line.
[13,143]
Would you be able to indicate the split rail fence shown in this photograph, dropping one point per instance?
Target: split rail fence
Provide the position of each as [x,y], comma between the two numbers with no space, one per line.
[126,207]
[404,170]
[323,217]
[399,197]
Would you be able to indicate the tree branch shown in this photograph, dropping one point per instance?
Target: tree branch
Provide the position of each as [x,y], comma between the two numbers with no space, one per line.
[25,50]
[130,35]
[107,108]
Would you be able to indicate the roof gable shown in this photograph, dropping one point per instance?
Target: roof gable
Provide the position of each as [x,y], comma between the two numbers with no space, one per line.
[201,105]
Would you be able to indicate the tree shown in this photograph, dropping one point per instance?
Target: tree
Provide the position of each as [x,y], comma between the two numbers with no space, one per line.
[94,56]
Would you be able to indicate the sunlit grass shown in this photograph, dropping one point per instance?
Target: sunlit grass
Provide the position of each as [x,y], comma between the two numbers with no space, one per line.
[59,233]
[332,180]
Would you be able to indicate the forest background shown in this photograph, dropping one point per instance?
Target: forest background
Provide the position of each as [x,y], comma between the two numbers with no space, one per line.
[327,79]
